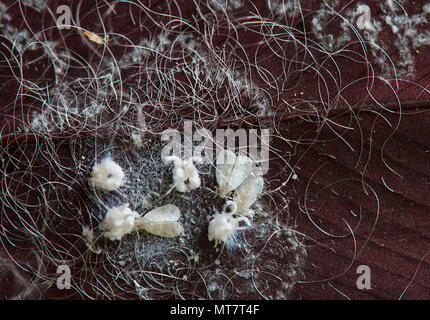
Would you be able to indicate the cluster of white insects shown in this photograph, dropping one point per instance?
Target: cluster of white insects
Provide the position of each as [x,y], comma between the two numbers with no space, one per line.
[233,175]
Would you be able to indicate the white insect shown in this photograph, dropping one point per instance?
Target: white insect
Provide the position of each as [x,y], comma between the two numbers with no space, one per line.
[247,193]
[107,175]
[119,221]
[162,221]
[185,174]
[231,171]
[223,226]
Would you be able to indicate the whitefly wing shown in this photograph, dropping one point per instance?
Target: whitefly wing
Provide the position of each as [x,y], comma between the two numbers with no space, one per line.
[162,221]
[167,229]
[248,192]
[231,171]
[242,169]
[225,163]
[167,213]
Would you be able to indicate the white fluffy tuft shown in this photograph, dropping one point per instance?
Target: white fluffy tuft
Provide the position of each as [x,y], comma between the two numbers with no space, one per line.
[119,221]
[107,175]
[185,174]
[223,226]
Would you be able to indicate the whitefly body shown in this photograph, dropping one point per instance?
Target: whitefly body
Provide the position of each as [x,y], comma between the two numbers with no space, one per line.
[185,174]
[223,226]
[119,221]
[107,175]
